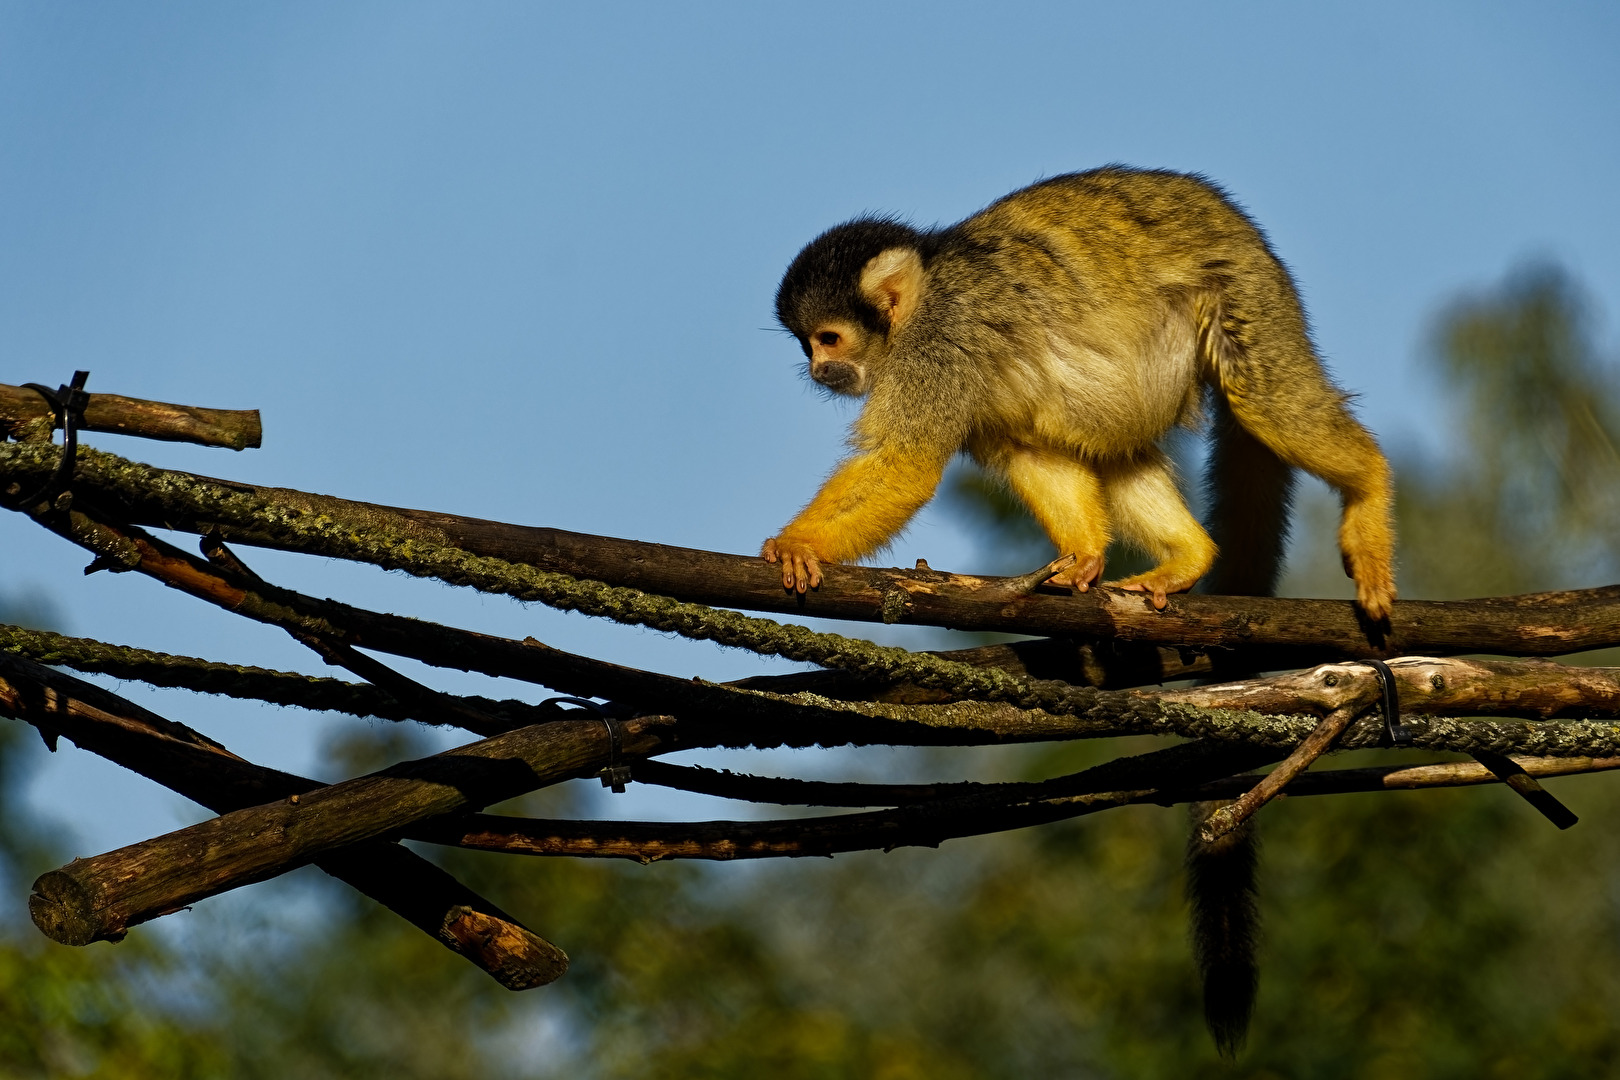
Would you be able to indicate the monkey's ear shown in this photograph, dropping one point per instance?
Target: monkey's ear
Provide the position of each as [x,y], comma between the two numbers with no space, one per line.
[892,282]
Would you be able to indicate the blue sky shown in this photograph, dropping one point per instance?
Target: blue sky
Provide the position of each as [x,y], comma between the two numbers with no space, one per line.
[517,260]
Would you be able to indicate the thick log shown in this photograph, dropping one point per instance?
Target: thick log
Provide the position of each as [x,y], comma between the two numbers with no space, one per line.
[24,414]
[188,762]
[101,897]
[1539,624]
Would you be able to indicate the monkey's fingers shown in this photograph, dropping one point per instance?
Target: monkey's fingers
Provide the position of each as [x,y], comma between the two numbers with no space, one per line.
[1160,597]
[1159,583]
[1080,575]
[800,573]
[808,571]
[801,569]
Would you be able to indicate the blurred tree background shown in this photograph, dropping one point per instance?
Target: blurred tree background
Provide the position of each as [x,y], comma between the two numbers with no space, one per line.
[1425,934]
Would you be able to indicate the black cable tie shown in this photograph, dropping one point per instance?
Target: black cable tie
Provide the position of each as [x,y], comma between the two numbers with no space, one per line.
[1398,735]
[617,773]
[68,403]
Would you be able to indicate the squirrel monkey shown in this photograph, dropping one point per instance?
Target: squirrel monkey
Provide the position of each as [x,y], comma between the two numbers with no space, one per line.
[1056,336]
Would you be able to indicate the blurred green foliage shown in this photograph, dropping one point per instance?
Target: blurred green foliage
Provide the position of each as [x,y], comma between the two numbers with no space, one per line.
[1425,935]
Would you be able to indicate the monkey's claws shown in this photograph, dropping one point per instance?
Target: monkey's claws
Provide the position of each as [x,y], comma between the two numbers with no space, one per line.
[1375,586]
[1377,601]
[801,569]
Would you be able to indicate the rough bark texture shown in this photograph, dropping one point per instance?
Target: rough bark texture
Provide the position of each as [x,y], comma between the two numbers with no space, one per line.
[1435,686]
[101,897]
[202,770]
[1536,624]
[25,414]
[648,841]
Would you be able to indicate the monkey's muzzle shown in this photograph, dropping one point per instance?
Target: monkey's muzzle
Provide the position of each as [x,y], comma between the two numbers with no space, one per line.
[837,375]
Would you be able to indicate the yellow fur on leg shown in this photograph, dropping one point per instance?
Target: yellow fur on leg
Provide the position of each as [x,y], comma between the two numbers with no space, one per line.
[1367,541]
[1066,497]
[864,503]
[1148,508]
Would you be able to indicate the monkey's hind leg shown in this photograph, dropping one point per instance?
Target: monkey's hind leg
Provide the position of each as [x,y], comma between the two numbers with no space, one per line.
[1326,441]
[1149,510]
[1066,497]
[1279,393]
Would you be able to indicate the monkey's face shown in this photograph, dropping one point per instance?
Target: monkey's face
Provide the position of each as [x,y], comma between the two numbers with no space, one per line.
[839,356]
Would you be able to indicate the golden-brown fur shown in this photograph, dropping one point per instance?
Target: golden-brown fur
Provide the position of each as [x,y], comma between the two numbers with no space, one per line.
[1056,336]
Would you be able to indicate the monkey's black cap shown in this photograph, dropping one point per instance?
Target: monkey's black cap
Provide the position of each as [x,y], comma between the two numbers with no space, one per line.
[823,282]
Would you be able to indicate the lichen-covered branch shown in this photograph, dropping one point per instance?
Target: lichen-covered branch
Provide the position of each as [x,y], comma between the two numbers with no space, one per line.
[242,681]
[486,554]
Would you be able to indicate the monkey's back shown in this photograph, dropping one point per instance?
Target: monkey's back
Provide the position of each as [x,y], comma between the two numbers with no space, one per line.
[1098,287]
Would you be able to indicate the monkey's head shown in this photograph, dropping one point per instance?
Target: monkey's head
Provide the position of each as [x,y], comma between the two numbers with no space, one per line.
[847,293]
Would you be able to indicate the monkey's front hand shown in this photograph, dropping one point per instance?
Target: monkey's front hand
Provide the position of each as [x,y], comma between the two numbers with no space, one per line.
[801,568]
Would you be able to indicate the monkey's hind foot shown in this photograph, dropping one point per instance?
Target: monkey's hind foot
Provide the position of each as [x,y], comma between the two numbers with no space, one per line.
[1375,594]
[1368,545]
[1159,582]
[1079,576]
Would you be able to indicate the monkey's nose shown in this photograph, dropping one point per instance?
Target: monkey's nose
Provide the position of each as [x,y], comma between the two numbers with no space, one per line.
[835,375]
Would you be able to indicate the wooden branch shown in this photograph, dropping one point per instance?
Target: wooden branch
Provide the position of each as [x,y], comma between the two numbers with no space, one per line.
[1107,665]
[922,824]
[1433,686]
[240,681]
[647,842]
[1536,624]
[812,722]
[25,414]
[1081,711]
[1223,819]
[202,770]
[1409,777]
[102,896]
[1094,713]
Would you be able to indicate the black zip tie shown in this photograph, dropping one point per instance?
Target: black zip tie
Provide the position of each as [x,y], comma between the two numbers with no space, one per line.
[1398,735]
[68,403]
[617,773]
[1512,774]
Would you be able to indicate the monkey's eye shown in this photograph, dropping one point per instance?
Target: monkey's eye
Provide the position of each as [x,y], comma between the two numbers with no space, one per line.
[828,338]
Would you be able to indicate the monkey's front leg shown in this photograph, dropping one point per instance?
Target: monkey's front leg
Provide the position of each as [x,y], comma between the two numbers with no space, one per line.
[1066,497]
[864,503]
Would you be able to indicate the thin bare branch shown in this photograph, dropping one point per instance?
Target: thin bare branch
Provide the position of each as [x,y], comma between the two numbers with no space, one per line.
[25,414]
[646,842]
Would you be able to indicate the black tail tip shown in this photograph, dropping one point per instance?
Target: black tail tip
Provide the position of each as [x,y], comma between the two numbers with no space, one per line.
[1229,994]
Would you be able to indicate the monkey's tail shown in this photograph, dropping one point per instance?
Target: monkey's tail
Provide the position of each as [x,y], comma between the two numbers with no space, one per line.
[1225,926]
[1250,491]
